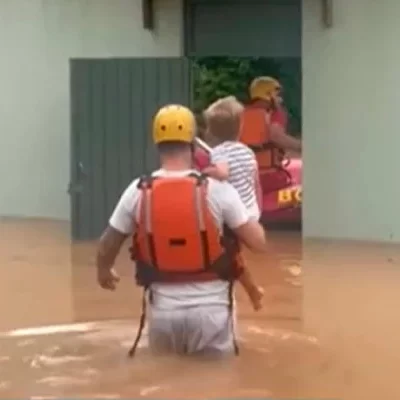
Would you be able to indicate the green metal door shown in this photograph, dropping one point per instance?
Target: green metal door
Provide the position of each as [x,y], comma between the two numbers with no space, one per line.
[258,28]
[112,104]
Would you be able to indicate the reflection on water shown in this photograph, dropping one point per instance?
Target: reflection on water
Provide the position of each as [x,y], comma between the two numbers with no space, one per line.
[333,337]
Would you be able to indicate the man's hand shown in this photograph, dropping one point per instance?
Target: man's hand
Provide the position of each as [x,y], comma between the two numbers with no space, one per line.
[107,278]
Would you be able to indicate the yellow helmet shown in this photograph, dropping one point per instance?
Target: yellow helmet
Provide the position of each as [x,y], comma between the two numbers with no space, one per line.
[174,123]
[263,87]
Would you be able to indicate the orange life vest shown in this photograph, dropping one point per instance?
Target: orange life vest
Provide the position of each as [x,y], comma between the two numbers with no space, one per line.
[255,133]
[176,237]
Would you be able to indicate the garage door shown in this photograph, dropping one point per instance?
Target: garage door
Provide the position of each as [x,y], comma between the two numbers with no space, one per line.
[265,28]
[112,104]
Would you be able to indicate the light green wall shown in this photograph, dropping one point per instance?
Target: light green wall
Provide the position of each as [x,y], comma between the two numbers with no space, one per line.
[351,120]
[349,116]
[38,37]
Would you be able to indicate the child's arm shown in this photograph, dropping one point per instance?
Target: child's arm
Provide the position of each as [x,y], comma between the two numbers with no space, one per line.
[218,171]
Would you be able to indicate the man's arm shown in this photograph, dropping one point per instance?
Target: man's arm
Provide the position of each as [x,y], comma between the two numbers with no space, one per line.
[109,246]
[279,137]
[120,226]
[235,215]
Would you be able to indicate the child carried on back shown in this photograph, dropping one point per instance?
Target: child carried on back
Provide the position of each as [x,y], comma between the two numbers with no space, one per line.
[235,162]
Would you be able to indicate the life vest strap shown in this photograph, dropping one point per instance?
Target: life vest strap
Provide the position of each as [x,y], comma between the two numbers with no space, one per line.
[232,318]
[142,323]
[224,268]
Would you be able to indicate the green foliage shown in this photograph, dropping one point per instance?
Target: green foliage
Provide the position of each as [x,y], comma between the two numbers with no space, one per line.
[215,77]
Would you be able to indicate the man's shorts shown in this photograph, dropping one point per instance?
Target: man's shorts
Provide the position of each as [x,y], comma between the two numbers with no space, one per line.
[203,330]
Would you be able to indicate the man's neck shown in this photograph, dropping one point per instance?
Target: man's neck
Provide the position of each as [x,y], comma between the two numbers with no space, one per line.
[175,165]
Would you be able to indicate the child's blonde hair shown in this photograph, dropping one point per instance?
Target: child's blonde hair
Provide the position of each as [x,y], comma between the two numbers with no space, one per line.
[223,118]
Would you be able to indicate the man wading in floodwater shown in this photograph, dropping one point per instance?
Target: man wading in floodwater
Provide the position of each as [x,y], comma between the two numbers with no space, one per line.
[175,219]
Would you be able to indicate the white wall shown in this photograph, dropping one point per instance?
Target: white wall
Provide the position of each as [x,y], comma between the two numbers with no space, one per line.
[351,120]
[37,38]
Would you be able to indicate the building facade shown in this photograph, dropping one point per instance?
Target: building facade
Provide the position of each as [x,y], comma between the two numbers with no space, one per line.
[38,38]
[349,95]
[350,122]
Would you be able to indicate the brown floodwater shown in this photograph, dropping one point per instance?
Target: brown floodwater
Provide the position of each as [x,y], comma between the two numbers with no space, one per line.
[328,330]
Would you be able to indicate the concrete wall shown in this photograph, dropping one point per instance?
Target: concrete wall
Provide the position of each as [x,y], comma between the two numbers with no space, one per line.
[37,38]
[351,124]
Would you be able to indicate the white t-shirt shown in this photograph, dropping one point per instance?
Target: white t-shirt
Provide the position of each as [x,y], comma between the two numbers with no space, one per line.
[226,207]
[243,170]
